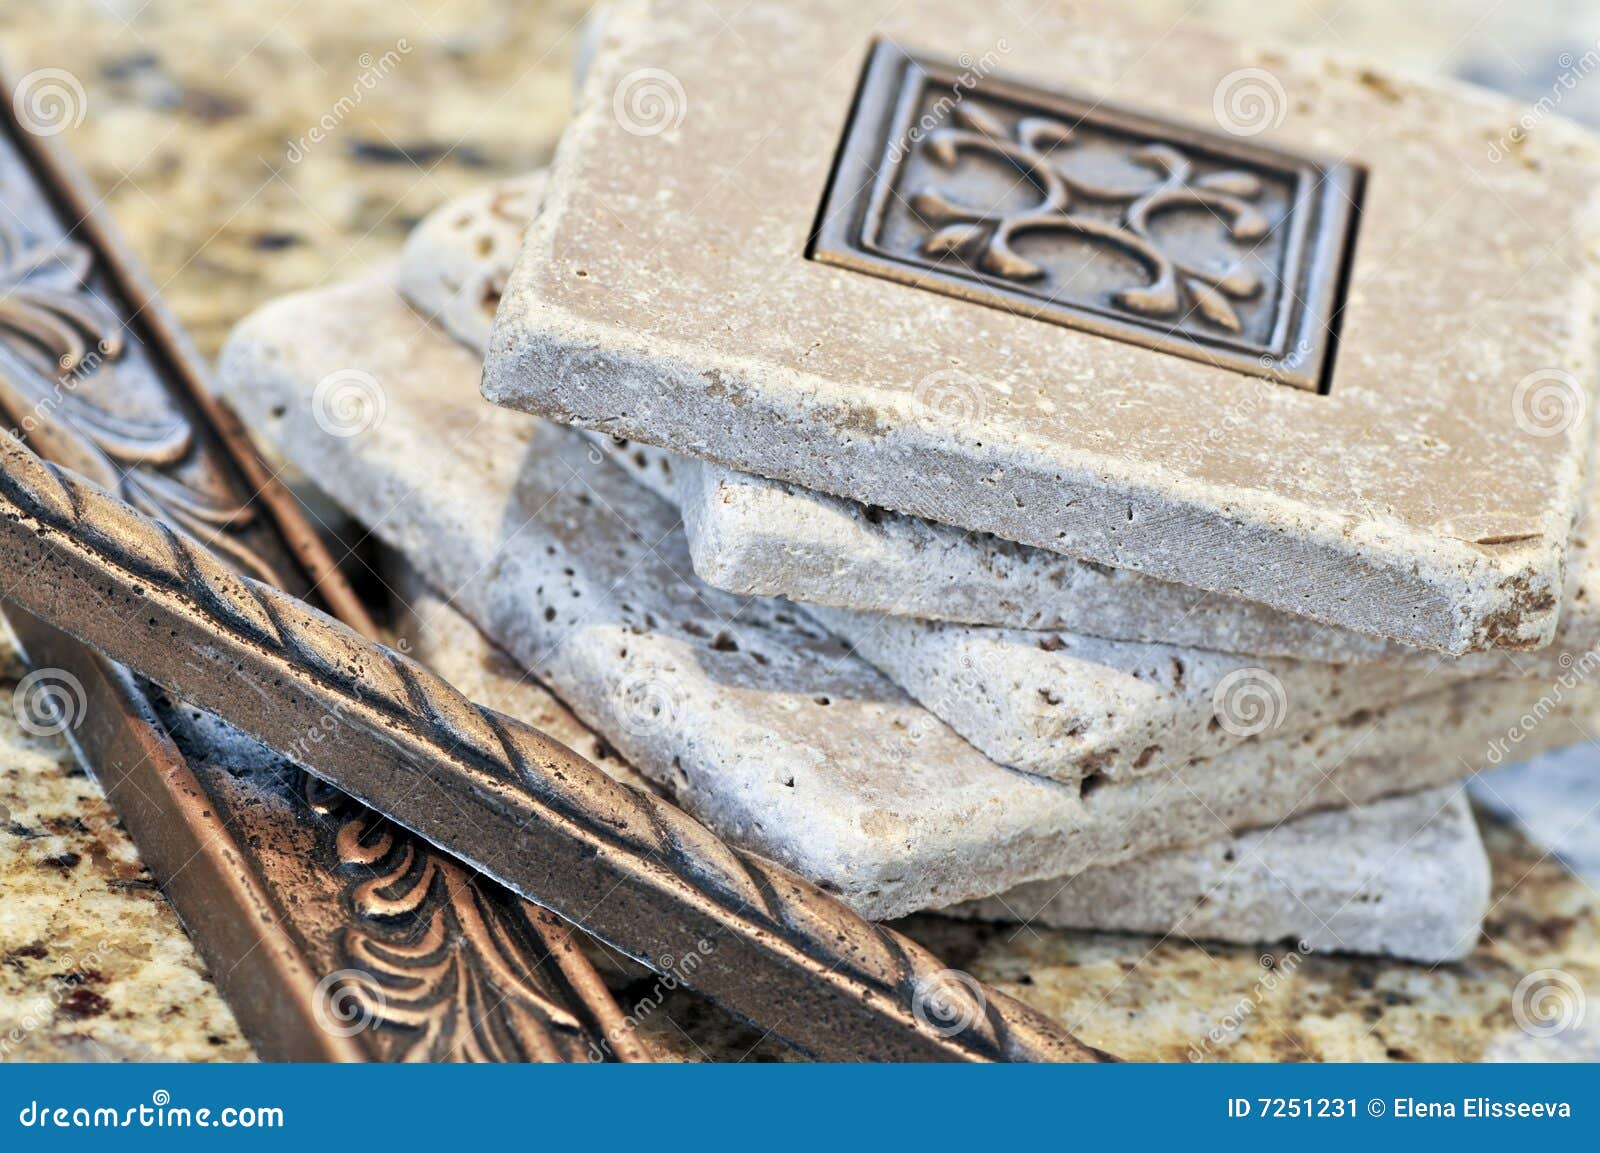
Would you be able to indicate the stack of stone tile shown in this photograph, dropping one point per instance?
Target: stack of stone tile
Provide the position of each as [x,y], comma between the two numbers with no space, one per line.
[898,543]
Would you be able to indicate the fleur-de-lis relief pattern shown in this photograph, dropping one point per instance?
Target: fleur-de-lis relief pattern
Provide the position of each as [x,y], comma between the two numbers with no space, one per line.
[61,334]
[985,239]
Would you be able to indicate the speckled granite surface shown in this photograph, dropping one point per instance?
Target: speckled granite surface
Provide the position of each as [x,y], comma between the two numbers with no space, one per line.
[196,127]
[94,965]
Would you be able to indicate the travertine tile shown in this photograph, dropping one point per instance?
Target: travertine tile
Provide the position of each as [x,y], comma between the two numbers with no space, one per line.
[761,537]
[754,718]
[1070,707]
[454,269]
[1405,877]
[664,295]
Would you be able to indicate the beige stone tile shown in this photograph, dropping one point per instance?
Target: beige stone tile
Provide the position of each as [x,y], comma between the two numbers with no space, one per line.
[1409,502]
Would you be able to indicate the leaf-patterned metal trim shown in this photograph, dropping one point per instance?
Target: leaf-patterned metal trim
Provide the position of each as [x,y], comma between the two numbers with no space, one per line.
[631,869]
[520,971]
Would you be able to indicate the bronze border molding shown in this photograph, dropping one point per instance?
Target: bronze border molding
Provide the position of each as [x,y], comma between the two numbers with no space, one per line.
[942,168]
[634,871]
[333,934]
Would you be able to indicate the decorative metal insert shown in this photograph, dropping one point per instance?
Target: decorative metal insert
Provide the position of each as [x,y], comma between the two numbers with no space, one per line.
[1189,242]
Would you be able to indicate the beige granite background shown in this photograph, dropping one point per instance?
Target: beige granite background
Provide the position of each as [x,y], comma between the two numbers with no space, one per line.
[195,126]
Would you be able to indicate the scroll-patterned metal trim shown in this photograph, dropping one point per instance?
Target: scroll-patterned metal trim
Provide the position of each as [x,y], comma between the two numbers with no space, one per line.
[1190,242]
[457,968]
[631,869]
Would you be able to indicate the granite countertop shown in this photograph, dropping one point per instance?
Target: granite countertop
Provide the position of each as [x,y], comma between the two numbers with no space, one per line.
[196,130]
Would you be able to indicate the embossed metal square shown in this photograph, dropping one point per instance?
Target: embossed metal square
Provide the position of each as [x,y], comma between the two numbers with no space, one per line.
[1190,242]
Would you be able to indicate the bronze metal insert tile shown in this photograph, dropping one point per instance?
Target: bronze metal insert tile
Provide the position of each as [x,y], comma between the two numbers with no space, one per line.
[1077,213]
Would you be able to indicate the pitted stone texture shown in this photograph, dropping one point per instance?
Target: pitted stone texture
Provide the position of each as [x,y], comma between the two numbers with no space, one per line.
[761,537]
[754,718]
[456,261]
[663,295]
[1071,707]
[1404,877]
[454,270]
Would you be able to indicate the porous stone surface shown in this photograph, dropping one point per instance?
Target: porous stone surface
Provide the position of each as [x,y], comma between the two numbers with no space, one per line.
[664,295]
[1404,877]
[455,263]
[761,537]
[454,269]
[754,718]
[1072,707]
